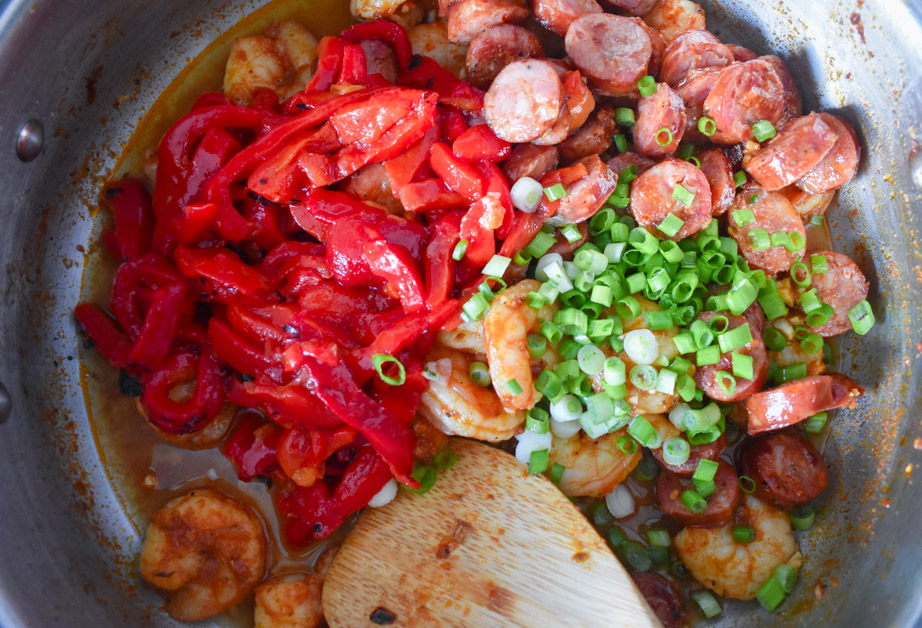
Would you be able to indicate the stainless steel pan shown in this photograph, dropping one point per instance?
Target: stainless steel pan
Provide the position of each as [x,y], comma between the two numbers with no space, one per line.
[67,548]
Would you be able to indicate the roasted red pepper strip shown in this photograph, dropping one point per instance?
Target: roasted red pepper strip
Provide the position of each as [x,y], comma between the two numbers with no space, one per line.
[354,67]
[134,218]
[160,325]
[262,324]
[365,476]
[430,195]
[386,31]
[452,124]
[403,401]
[303,451]
[195,222]
[495,185]
[105,333]
[403,169]
[334,384]
[224,269]
[457,174]
[440,268]
[405,333]
[426,73]
[308,514]
[289,404]
[394,264]
[329,63]
[183,418]
[277,178]
[480,142]
[133,281]
[253,447]
[239,353]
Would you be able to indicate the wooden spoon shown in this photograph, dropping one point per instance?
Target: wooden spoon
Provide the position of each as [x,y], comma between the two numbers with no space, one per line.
[487,545]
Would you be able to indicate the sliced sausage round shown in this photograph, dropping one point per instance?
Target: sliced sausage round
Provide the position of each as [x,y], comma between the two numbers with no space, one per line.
[558,132]
[716,167]
[468,18]
[793,402]
[710,451]
[787,469]
[557,15]
[842,286]
[528,160]
[525,101]
[841,163]
[707,376]
[745,93]
[497,47]
[631,7]
[586,196]
[693,50]
[721,504]
[653,197]
[658,44]
[593,138]
[619,163]
[660,122]
[661,597]
[564,247]
[611,51]
[741,54]
[773,213]
[792,107]
[694,90]
[791,154]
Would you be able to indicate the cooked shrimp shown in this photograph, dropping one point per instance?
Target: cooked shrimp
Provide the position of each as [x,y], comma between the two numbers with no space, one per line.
[793,353]
[456,405]
[280,60]
[207,549]
[733,569]
[593,467]
[431,40]
[405,12]
[505,332]
[673,17]
[371,184]
[645,401]
[207,436]
[468,336]
[293,600]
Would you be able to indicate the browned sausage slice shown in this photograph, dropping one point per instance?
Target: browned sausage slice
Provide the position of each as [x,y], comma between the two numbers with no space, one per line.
[585,197]
[842,286]
[525,101]
[620,162]
[721,505]
[658,44]
[787,470]
[467,18]
[528,160]
[661,597]
[693,50]
[706,376]
[497,47]
[710,451]
[792,107]
[741,54]
[660,122]
[694,91]
[593,138]
[793,402]
[653,197]
[745,93]
[611,51]
[716,167]
[840,164]
[631,7]
[774,213]
[557,15]
[791,154]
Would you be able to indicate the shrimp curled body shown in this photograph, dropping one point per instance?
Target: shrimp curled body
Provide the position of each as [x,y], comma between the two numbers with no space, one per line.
[593,467]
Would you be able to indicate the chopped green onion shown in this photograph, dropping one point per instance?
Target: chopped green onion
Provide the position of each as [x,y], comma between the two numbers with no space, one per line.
[735,338]
[634,556]
[821,315]
[742,365]
[630,172]
[569,368]
[521,258]
[591,360]
[549,384]
[759,239]
[480,374]
[739,178]
[684,343]
[774,590]
[707,126]
[643,432]
[800,274]
[861,317]
[614,371]
[658,537]
[593,262]
[741,295]
[643,241]
[663,137]
[555,192]
[816,221]
[551,331]
[705,488]
[537,421]
[643,376]
[425,475]
[743,217]
[624,116]
[744,534]
[683,196]
[541,244]
[537,462]
[572,321]
[693,501]
[647,86]
[666,381]
[685,387]
[497,266]
[815,423]
[475,307]
[685,151]
[707,603]
[726,382]
[379,360]
[672,224]
[803,517]
[818,264]
[658,320]
[460,249]
[535,300]
[445,459]
[627,445]
[705,471]
[676,451]
[771,302]
[628,308]
[811,343]
[635,283]
[601,221]
[707,356]
[537,345]
[797,242]
[763,130]
[747,484]
[514,387]
[780,238]
[556,472]
[753,199]
[571,233]
[791,372]
[621,144]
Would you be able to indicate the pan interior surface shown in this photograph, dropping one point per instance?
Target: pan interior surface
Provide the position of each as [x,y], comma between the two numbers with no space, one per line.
[88,72]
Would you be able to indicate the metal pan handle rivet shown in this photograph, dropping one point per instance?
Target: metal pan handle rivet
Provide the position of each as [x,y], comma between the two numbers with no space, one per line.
[5,403]
[30,140]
